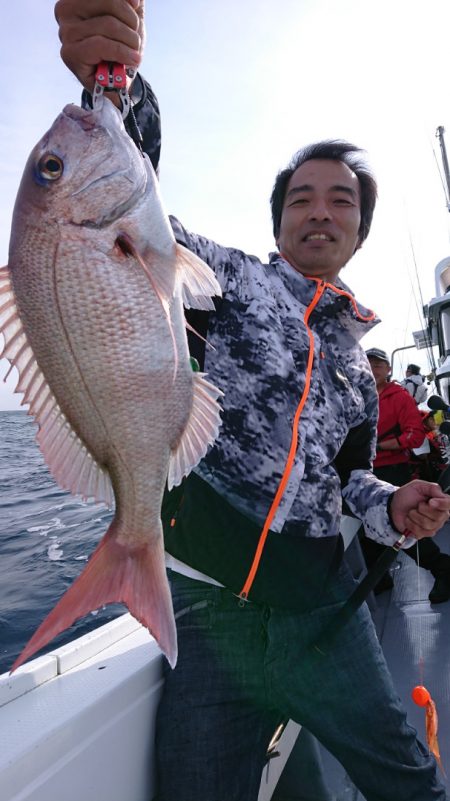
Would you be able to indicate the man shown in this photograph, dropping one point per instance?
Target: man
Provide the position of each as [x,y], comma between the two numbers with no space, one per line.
[415,383]
[400,430]
[400,427]
[253,534]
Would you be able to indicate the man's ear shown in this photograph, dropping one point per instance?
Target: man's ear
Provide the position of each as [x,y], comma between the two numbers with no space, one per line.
[358,245]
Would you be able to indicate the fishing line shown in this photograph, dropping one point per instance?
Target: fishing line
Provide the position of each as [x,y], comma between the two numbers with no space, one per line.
[419,596]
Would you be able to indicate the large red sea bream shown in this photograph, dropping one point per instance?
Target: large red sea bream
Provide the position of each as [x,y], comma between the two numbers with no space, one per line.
[91,311]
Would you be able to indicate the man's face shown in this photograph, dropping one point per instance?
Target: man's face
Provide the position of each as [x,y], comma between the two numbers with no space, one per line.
[380,369]
[320,218]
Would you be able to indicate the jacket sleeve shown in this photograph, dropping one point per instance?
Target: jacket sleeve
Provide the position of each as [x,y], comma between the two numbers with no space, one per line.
[230,265]
[367,497]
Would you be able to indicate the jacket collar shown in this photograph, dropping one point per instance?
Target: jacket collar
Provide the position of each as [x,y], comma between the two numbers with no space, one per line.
[337,300]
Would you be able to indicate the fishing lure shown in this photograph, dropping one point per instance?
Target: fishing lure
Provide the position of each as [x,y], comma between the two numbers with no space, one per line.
[422,697]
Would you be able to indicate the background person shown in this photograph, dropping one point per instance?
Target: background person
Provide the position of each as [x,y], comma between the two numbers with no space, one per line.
[401,430]
[429,466]
[415,384]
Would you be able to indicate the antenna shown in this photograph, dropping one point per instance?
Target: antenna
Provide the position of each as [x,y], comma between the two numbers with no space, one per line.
[440,135]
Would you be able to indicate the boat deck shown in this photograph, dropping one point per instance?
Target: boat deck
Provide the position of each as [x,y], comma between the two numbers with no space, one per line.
[412,632]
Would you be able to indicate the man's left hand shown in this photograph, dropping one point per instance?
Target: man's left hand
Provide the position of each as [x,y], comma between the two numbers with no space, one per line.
[421,508]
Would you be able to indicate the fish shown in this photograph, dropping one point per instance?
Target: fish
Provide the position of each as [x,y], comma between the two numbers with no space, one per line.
[91,313]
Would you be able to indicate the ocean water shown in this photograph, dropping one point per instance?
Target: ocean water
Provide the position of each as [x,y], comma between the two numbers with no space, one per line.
[46,537]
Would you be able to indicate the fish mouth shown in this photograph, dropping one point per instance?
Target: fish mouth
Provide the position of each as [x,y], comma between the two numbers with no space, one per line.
[88,119]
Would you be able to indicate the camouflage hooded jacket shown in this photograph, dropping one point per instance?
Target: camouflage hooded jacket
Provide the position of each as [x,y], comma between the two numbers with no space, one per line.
[278,338]
[261,345]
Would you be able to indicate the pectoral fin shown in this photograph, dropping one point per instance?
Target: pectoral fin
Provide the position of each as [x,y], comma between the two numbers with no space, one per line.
[201,430]
[199,283]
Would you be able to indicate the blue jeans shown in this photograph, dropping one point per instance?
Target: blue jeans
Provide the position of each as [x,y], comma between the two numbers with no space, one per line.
[243,669]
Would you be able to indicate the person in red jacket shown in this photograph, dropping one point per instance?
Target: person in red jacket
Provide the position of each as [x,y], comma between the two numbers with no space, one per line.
[400,429]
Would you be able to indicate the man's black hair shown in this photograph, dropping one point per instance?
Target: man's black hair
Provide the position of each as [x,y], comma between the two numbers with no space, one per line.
[414,369]
[334,150]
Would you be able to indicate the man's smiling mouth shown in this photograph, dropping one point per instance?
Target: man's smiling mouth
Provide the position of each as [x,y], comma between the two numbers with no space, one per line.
[318,237]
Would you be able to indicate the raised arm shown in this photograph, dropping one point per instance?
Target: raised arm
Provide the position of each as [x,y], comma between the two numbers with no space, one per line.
[100,30]
[110,30]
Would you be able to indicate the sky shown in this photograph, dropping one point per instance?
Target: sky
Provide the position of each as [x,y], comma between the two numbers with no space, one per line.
[242,86]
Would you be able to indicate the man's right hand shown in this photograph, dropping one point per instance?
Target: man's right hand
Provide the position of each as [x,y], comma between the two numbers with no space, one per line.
[100,30]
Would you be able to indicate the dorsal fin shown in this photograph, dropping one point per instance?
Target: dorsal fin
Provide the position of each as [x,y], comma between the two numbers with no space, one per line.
[200,432]
[67,458]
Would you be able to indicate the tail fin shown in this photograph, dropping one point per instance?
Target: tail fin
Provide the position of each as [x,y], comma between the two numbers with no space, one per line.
[116,573]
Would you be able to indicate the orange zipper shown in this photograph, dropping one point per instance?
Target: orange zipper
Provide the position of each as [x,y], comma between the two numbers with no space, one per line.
[243,595]
[321,286]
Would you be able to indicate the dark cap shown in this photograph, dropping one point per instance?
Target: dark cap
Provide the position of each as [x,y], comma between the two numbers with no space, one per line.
[377,353]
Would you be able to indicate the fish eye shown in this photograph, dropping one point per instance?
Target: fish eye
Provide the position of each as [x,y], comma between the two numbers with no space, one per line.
[50,167]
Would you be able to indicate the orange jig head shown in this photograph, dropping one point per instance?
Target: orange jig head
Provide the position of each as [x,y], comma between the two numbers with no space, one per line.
[420,695]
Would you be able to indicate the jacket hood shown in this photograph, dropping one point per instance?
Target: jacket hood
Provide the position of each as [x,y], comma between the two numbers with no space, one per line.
[415,379]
